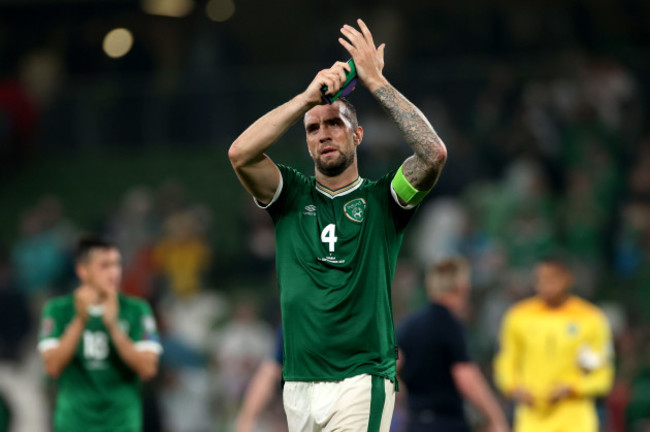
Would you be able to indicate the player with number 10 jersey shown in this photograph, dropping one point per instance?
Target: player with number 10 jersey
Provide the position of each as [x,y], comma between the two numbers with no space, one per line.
[99,344]
[97,387]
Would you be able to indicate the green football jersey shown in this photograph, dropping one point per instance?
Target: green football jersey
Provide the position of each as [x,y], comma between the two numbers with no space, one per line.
[336,257]
[4,415]
[97,391]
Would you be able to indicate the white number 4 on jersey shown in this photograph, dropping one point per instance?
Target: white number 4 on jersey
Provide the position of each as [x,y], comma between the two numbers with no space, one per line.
[328,235]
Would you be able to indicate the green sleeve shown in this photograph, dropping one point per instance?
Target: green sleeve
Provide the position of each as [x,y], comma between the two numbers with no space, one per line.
[144,332]
[401,215]
[51,327]
[293,183]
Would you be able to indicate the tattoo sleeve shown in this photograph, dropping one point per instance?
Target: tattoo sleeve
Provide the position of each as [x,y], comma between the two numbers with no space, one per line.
[423,168]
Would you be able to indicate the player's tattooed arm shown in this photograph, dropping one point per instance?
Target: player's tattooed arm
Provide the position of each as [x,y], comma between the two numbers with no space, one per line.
[423,168]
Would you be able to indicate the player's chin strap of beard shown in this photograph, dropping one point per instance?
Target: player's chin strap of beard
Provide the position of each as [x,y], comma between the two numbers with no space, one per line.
[332,171]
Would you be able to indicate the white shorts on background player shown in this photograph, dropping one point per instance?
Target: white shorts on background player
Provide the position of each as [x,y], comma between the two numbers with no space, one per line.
[350,405]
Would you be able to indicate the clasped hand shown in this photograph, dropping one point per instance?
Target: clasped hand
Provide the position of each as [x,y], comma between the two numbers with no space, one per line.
[368,59]
[86,296]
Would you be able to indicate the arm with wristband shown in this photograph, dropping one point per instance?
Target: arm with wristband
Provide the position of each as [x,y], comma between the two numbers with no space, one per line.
[419,173]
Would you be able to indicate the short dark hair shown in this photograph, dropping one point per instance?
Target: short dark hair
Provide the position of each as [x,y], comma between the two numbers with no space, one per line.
[87,243]
[353,111]
[557,259]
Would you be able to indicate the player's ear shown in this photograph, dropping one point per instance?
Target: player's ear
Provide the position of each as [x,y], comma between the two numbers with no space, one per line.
[358,135]
[81,269]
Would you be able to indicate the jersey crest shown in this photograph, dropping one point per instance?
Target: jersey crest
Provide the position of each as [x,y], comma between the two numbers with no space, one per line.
[355,209]
[573,329]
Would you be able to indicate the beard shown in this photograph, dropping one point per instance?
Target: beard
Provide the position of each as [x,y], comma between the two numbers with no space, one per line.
[336,166]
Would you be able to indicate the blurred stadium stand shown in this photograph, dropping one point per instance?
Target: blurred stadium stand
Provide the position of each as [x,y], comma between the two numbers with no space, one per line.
[543,106]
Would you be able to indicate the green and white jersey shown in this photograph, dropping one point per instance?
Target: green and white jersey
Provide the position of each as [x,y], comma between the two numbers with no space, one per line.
[97,391]
[336,257]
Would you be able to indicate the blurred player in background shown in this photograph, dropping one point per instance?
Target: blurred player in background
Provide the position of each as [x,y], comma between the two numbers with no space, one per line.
[555,356]
[261,389]
[434,361]
[338,236]
[99,345]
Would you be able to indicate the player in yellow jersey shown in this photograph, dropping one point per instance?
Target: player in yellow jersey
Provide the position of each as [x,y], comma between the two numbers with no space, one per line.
[555,356]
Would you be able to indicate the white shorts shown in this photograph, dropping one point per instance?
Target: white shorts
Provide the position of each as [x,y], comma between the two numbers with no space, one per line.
[358,404]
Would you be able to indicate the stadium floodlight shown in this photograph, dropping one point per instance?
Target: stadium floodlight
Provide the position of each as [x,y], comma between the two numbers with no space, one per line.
[168,8]
[118,42]
[220,10]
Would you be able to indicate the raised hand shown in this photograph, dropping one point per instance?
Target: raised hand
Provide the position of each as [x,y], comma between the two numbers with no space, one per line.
[333,78]
[111,308]
[83,298]
[368,59]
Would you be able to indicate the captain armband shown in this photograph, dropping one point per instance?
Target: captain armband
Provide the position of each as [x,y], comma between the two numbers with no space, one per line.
[404,189]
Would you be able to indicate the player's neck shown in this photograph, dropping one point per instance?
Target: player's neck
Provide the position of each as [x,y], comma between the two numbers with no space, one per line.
[350,174]
[556,302]
[100,296]
[454,304]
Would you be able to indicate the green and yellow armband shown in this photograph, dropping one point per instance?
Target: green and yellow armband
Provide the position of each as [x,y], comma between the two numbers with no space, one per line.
[404,189]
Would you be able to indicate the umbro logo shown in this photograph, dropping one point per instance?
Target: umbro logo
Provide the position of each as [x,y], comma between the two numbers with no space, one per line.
[310,210]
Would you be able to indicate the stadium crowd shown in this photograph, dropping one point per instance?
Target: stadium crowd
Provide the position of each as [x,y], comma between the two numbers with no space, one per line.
[557,160]
[543,167]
